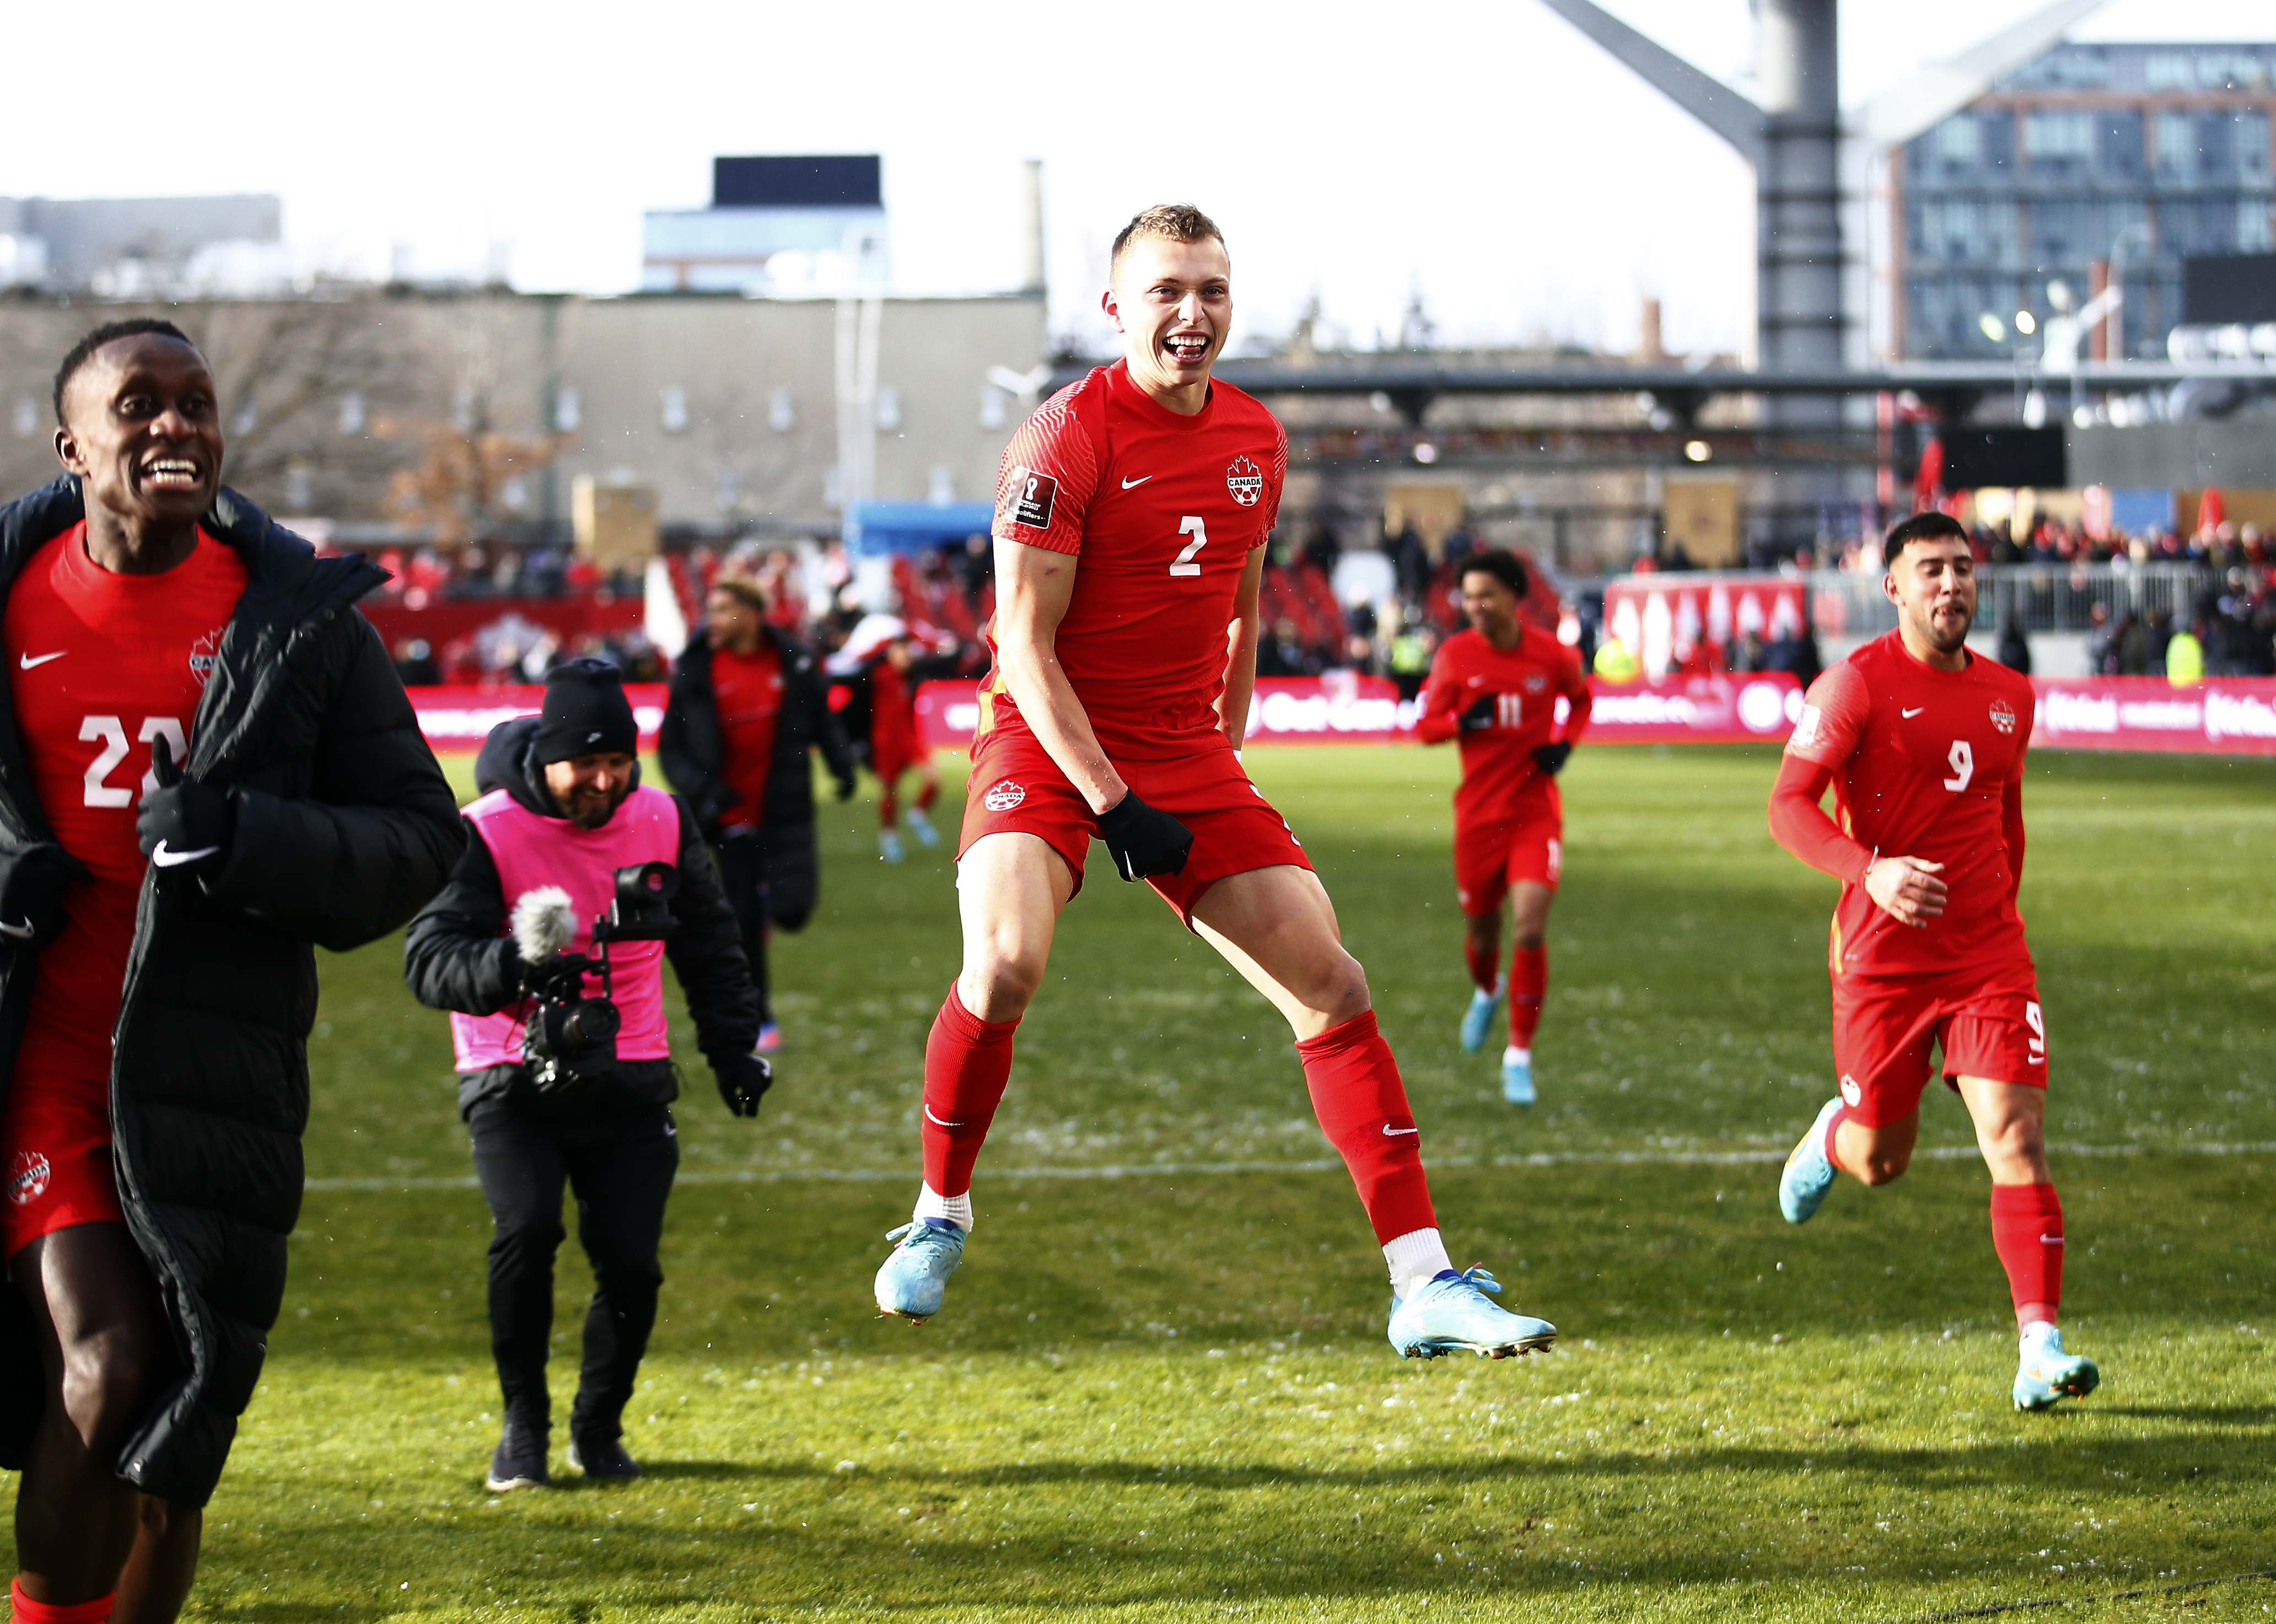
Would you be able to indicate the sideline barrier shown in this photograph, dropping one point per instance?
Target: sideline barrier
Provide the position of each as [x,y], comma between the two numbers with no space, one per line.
[1343,709]
[2227,715]
[460,719]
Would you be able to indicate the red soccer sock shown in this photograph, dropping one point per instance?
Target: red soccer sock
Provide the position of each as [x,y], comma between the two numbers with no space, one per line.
[30,1612]
[1528,980]
[928,793]
[2026,1231]
[968,1061]
[1362,1109]
[889,810]
[1484,962]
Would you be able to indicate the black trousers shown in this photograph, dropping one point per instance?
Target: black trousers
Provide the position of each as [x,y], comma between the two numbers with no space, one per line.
[743,877]
[620,1167]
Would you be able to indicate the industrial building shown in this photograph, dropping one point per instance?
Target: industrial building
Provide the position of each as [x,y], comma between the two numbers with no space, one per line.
[2089,156]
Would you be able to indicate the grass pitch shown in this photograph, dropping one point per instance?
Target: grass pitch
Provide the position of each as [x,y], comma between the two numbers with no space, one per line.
[1161,1390]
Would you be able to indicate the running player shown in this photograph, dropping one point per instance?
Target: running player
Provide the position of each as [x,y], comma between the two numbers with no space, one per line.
[1923,744]
[1131,517]
[1496,687]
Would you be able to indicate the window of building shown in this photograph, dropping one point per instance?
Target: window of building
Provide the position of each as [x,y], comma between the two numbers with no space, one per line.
[2059,135]
[2252,147]
[2177,147]
[2118,150]
[2170,70]
[2252,225]
[1958,142]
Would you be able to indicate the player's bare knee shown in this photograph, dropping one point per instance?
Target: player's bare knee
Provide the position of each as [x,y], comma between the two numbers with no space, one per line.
[1000,986]
[1529,939]
[104,1378]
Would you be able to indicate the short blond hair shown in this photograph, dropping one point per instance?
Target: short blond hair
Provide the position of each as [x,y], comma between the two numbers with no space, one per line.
[1172,222]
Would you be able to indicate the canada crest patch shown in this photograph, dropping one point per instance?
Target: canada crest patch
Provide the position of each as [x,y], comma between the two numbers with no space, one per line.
[1246,482]
[2002,717]
[1003,796]
[28,1177]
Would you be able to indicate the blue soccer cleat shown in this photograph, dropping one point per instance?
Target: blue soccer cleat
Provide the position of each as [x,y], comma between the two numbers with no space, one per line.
[1808,1175]
[915,1276]
[1517,1076]
[1477,1019]
[889,845]
[2045,1374]
[920,826]
[1450,1312]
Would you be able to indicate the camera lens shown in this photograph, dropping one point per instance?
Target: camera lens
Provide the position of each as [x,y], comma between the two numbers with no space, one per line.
[591,1020]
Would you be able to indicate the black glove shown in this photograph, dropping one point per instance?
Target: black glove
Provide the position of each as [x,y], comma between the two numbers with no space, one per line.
[1481,713]
[743,1080]
[32,881]
[185,823]
[1142,840]
[1550,757]
[845,787]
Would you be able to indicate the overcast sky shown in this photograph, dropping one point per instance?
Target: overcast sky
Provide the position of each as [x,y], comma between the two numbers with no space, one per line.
[1483,154]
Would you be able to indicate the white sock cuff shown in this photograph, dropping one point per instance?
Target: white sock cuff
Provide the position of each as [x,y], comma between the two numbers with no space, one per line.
[1413,1258]
[956,1208]
[2039,1330]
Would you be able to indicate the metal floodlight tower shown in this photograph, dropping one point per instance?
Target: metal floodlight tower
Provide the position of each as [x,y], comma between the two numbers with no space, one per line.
[1815,165]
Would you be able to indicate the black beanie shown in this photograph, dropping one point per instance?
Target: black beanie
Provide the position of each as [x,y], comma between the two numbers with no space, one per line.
[585,713]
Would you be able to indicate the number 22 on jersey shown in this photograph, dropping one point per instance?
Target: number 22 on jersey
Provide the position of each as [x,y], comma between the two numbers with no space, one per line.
[110,732]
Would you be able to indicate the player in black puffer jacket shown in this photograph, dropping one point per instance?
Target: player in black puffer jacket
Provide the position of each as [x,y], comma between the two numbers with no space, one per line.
[336,826]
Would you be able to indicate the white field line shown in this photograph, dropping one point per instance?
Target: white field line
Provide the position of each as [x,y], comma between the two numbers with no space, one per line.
[1205,1170]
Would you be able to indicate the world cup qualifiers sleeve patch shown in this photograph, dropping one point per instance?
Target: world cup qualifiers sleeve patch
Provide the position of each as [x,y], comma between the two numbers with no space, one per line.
[1029,499]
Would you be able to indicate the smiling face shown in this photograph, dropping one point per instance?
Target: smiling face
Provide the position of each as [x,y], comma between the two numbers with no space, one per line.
[590,788]
[1172,303]
[1933,583]
[142,432]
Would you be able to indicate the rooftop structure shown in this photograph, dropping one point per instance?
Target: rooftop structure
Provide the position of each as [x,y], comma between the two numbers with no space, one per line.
[801,224]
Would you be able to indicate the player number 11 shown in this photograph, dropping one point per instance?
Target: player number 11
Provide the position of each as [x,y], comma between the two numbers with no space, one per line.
[1190,525]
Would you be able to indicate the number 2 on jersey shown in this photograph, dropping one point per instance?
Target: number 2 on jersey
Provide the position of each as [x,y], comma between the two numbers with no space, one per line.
[1190,525]
[1963,765]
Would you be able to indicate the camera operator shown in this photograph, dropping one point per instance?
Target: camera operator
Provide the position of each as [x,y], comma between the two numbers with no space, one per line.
[564,835]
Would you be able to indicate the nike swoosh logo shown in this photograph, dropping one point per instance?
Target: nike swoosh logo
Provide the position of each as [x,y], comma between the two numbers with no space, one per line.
[16,933]
[1915,711]
[936,1122]
[2036,1060]
[32,662]
[2050,1240]
[1390,1132]
[165,859]
[1127,483]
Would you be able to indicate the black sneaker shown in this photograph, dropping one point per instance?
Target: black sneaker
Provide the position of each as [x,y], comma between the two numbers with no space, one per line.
[520,1462]
[600,1458]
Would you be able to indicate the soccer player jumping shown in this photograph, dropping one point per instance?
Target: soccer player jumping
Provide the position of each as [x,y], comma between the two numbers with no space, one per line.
[1131,516]
[1923,744]
[1496,687]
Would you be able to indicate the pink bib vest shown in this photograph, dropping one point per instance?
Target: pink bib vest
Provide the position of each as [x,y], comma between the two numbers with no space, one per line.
[532,851]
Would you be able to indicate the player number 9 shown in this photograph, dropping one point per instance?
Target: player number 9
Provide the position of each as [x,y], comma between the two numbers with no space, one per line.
[1963,765]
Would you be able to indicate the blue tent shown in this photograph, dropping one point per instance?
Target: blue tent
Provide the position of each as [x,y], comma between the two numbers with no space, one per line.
[912,526]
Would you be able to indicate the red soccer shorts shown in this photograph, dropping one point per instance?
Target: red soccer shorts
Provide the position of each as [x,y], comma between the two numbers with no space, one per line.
[55,1147]
[1493,855]
[1015,788]
[1988,1027]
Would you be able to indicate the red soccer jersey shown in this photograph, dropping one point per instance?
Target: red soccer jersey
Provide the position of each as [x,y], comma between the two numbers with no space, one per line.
[98,666]
[1924,764]
[748,688]
[1500,779]
[1163,510]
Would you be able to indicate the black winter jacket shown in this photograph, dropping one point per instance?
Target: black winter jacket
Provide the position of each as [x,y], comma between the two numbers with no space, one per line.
[459,953]
[692,752]
[344,825]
